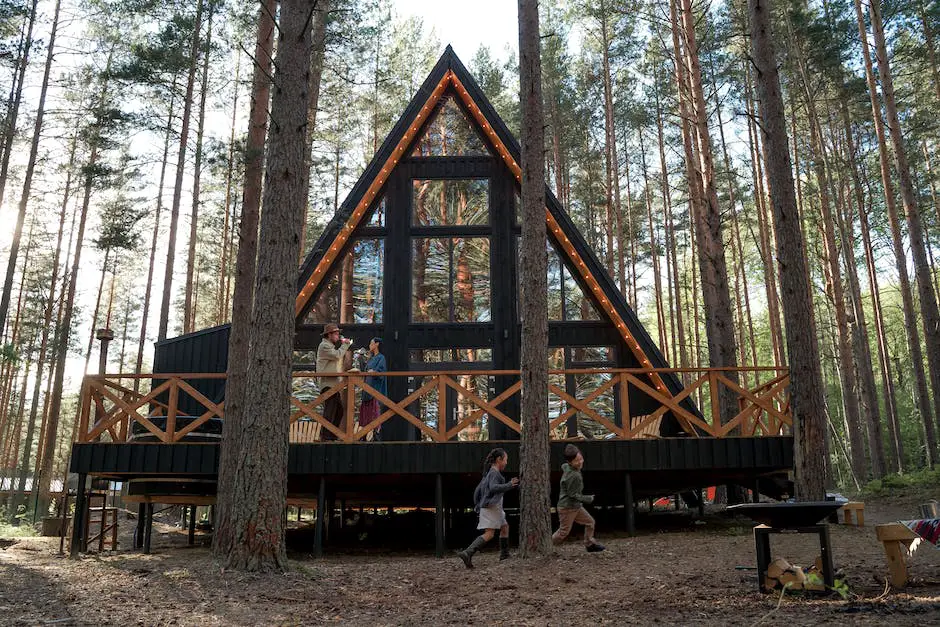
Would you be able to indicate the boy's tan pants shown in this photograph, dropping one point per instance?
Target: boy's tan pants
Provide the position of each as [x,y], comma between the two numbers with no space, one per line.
[567,517]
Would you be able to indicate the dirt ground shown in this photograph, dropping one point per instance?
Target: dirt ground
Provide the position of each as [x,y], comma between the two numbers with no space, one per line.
[690,574]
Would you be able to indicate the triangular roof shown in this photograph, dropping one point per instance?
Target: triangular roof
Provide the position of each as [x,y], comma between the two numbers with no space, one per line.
[450,74]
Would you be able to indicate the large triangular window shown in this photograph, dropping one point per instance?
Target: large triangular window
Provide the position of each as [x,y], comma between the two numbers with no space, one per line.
[450,133]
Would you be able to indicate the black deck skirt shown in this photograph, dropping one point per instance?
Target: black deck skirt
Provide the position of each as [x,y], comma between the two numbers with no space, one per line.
[676,454]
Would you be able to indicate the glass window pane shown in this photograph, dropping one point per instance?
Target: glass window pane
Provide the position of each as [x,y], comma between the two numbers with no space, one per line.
[326,307]
[450,133]
[354,291]
[577,305]
[367,281]
[431,280]
[378,214]
[450,279]
[592,354]
[450,202]
[471,280]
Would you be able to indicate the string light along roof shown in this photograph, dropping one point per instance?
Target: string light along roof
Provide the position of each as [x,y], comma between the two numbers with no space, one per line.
[450,76]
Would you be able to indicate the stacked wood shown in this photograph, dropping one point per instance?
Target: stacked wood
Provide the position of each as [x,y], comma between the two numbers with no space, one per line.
[782,574]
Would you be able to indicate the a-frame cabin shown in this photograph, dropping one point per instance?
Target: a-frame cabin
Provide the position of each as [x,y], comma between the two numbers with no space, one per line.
[423,253]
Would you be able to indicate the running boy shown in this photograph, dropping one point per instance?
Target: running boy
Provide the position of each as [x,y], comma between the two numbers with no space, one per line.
[571,501]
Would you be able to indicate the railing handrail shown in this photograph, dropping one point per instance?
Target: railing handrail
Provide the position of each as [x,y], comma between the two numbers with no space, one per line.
[301,374]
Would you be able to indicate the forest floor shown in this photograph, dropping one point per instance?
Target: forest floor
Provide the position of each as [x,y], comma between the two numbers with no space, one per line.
[675,571]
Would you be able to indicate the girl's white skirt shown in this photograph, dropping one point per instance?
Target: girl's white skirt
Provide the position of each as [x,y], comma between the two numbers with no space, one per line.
[492,517]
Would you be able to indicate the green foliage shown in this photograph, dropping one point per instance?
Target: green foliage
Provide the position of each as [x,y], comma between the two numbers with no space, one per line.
[915,482]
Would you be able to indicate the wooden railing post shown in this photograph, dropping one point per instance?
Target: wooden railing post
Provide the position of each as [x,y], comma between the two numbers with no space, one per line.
[713,394]
[86,409]
[350,407]
[172,407]
[624,390]
[442,407]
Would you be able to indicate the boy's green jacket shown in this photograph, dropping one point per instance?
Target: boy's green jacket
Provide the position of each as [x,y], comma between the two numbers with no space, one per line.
[569,493]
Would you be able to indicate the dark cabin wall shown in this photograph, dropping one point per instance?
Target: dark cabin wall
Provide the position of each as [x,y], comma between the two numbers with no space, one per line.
[201,351]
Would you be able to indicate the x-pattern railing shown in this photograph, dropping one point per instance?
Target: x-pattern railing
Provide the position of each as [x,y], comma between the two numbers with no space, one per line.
[110,406]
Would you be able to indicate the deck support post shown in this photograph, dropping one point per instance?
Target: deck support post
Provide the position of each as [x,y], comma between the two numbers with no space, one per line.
[628,504]
[148,527]
[701,502]
[141,520]
[192,525]
[78,520]
[756,496]
[438,515]
[321,514]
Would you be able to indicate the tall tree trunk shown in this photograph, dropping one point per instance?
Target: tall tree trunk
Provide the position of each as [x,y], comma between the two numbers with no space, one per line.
[9,435]
[806,386]
[145,314]
[610,155]
[317,50]
[866,374]
[922,397]
[189,304]
[915,226]
[931,50]
[10,132]
[764,227]
[252,531]
[654,253]
[46,327]
[61,353]
[747,322]
[180,170]
[716,296]
[834,286]
[243,296]
[682,346]
[224,259]
[535,506]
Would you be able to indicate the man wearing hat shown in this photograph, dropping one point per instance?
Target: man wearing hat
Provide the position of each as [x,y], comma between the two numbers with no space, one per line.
[330,355]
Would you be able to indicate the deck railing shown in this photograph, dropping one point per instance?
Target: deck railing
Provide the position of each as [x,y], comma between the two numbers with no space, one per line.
[449,405]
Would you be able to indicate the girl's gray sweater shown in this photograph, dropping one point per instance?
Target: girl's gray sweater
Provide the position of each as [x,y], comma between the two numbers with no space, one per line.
[490,489]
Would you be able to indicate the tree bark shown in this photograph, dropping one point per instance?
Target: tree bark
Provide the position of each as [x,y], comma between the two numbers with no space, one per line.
[256,521]
[180,170]
[230,500]
[535,506]
[806,386]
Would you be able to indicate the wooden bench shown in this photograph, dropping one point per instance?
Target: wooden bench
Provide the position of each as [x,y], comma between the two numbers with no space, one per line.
[856,509]
[893,536]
